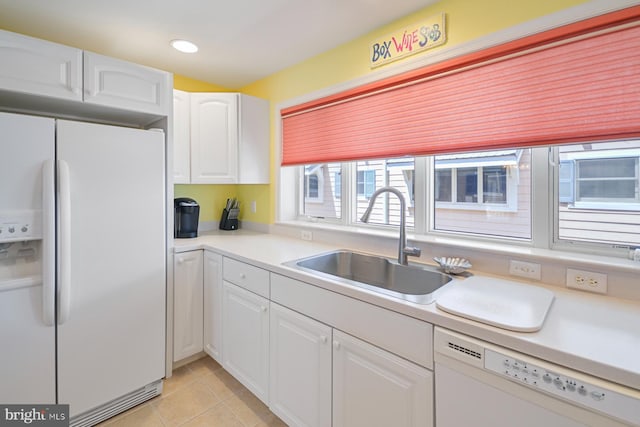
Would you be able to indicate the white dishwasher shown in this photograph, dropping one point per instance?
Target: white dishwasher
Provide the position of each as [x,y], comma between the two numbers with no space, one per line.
[480,384]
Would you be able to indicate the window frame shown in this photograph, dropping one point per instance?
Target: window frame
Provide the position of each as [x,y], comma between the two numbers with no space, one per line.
[511,204]
[545,171]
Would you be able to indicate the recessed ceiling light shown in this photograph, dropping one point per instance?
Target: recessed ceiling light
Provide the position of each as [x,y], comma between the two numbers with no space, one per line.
[184,46]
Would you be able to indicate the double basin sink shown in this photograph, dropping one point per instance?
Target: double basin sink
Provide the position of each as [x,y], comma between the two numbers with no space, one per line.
[408,282]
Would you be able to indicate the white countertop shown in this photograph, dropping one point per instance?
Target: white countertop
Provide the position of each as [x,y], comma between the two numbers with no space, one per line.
[595,334]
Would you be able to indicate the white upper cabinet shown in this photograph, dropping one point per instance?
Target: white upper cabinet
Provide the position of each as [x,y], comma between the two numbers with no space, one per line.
[253,140]
[214,138]
[181,135]
[226,138]
[40,75]
[120,84]
[38,67]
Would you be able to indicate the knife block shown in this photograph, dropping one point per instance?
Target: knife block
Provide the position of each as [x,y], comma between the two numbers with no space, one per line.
[229,219]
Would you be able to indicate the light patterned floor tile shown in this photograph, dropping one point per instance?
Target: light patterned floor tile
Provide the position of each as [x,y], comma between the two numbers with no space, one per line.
[142,416]
[204,366]
[201,394]
[179,378]
[223,384]
[185,403]
[218,416]
[248,408]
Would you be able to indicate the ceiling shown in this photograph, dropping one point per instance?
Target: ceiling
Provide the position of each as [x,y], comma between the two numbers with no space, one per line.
[240,41]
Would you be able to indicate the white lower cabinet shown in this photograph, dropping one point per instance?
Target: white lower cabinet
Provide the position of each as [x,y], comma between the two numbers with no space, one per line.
[212,331]
[321,377]
[245,338]
[372,387]
[187,306]
[283,339]
[300,380]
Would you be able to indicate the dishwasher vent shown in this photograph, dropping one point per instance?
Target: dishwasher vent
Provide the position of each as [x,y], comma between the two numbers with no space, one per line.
[465,350]
[457,346]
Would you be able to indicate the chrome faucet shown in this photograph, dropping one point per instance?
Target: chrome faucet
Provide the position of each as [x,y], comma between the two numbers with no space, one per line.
[403,250]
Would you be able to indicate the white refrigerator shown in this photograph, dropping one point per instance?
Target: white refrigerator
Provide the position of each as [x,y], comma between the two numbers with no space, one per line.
[82,265]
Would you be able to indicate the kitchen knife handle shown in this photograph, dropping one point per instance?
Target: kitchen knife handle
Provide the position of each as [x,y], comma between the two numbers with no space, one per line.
[64,233]
[48,243]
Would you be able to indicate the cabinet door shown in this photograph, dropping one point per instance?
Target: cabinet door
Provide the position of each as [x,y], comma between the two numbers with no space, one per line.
[181,138]
[372,387]
[214,138]
[39,67]
[120,84]
[245,338]
[300,374]
[253,142]
[187,306]
[213,305]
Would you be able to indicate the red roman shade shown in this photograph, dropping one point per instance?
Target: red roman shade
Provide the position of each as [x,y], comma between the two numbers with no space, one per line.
[577,83]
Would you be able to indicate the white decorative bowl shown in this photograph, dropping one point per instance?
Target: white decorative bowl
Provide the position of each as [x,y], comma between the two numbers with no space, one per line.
[453,265]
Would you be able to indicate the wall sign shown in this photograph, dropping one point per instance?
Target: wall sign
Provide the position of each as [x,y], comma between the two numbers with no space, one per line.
[407,41]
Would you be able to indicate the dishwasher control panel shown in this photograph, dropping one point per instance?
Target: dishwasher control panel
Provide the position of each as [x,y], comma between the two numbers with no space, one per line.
[563,383]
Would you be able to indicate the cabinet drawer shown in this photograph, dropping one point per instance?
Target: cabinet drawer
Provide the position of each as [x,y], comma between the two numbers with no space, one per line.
[246,276]
[403,335]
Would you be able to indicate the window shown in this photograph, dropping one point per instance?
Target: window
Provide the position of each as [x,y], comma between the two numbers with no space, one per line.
[464,183]
[595,203]
[494,185]
[374,174]
[366,183]
[483,193]
[443,185]
[313,184]
[508,194]
[607,180]
[599,193]
[320,185]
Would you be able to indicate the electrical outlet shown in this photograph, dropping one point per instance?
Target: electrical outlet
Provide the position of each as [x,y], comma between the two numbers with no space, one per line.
[587,281]
[306,235]
[529,270]
[254,208]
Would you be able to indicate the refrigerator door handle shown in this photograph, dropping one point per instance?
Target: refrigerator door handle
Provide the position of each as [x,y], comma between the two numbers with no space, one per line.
[48,243]
[64,235]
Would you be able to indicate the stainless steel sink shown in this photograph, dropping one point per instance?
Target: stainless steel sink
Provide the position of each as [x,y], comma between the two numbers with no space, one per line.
[409,282]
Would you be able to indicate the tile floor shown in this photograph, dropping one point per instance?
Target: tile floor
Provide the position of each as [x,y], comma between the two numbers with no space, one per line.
[200,394]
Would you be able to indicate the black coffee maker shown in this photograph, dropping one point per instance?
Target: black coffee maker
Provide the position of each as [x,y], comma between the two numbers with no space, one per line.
[186,216]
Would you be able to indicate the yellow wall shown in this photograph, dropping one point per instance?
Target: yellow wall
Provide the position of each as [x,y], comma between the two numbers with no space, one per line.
[188,84]
[466,20]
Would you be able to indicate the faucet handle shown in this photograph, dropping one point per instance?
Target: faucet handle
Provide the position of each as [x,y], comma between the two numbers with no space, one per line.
[412,251]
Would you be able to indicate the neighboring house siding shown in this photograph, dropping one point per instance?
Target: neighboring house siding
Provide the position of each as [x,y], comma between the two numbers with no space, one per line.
[618,227]
[394,177]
